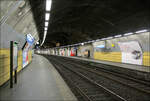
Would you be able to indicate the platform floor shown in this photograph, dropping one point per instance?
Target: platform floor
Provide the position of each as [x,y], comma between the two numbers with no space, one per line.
[123,65]
[38,81]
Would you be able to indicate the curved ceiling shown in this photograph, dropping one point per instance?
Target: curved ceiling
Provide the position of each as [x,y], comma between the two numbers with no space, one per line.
[74,21]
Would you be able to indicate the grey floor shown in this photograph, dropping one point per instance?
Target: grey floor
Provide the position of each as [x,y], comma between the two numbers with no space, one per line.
[38,81]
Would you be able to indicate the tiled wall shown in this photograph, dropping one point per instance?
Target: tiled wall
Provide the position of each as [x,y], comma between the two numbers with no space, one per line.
[5,64]
[146,59]
[108,56]
[116,57]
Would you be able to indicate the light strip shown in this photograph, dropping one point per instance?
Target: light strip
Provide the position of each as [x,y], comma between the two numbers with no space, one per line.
[141,31]
[103,39]
[82,44]
[47,15]
[109,37]
[117,36]
[45,33]
[46,24]
[48,5]
[45,28]
[128,34]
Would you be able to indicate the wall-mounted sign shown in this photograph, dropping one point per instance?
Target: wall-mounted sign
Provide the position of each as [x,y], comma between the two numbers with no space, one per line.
[29,39]
[15,55]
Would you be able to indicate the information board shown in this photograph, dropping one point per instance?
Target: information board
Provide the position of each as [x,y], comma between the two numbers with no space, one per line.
[15,56]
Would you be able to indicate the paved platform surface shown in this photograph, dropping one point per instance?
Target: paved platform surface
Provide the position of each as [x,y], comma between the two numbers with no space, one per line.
[38,81]
[123,65]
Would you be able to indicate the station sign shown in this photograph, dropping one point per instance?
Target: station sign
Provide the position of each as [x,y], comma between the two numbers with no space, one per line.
[29,39]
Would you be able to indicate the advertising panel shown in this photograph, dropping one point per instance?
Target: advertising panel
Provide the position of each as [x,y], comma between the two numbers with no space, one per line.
[29,43]
[99,46]
[131,52]
[73,51]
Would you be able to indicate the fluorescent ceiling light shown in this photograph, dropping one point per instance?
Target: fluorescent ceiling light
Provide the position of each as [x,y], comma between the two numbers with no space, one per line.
[128,33]
[47,16]
[117,36]
[45,28]
[82,44]
[45,32]
[48,5]
[97,40]
[102,39]
[109,38]
[141,31]
[106,38]
[93,40]
[46,23]
[37,42]
[90,41]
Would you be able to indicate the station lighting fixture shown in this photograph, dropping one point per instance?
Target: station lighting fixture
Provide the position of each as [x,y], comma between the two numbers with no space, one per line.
[48,5]
[97,40]
[90,41]
[93,40]
[109,37]
[37,42]
[46,24]
[45,28]
[126,34]
[102,39]
[45,32]
[141,31]
[47,15]
[117,36]
[82,44]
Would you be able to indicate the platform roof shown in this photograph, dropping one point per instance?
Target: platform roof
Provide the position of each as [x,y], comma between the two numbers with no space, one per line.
[74,21]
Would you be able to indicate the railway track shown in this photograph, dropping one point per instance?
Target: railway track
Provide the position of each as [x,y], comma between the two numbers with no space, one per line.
[104,68]
[128,81]
[89,90]
[126,89]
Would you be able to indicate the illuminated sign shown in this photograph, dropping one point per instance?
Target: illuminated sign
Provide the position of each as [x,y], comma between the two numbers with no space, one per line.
[29,39]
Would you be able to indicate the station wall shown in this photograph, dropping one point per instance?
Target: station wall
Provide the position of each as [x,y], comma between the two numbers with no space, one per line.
[16,21]
[5,64]
[113,53]
[110,50]
[82,49]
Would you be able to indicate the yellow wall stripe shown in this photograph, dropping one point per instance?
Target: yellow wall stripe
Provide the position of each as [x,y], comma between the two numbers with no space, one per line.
[5,64]
[108,56]
[146,59]
[116,57]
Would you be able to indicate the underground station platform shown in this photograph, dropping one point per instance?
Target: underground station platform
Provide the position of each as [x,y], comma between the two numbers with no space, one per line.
[74,50]
[38,81]
[60,78]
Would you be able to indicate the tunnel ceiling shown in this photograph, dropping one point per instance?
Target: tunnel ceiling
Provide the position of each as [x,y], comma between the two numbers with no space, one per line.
[74,21]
